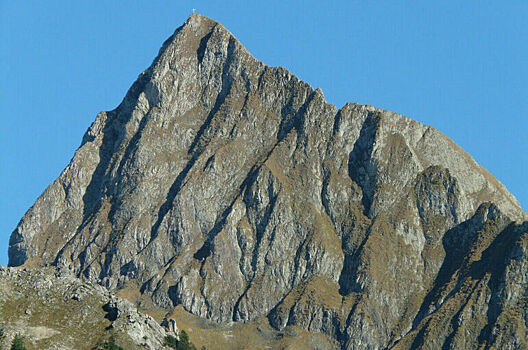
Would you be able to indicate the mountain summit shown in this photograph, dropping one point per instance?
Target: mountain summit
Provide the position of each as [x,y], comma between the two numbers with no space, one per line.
[234,191]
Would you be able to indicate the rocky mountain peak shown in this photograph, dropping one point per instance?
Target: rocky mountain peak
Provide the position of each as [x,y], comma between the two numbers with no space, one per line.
[234,191]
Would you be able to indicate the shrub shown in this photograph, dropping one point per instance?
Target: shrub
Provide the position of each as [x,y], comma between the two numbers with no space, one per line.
[183,344]
[18,343]
[110,344]
[171,342]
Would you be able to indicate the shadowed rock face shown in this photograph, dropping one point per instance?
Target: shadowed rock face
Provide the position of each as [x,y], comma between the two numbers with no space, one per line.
[234,189]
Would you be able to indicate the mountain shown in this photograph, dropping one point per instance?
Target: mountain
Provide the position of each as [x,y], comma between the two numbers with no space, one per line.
[230,191]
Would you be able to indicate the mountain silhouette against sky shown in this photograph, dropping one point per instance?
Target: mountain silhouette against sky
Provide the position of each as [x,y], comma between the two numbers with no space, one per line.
[233,191]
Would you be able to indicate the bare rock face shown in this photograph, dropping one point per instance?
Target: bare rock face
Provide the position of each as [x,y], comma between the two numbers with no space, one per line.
[235,190]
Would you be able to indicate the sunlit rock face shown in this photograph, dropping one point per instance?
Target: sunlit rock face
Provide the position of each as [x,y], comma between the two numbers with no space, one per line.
[235,190]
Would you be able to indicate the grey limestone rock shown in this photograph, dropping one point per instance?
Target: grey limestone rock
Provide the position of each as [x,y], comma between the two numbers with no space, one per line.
[235,190]
[170,326]
[142,329]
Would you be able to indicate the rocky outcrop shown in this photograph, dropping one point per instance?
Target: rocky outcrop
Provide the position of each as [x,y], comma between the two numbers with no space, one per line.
[479,297]
[235,190]
[53,310]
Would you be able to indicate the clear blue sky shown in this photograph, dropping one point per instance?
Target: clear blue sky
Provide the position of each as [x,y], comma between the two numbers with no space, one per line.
[460,66]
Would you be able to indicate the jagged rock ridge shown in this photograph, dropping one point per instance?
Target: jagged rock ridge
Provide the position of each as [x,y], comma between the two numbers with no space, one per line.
[234,189]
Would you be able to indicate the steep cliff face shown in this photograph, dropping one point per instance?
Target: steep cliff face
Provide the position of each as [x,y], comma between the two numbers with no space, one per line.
[235,190]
